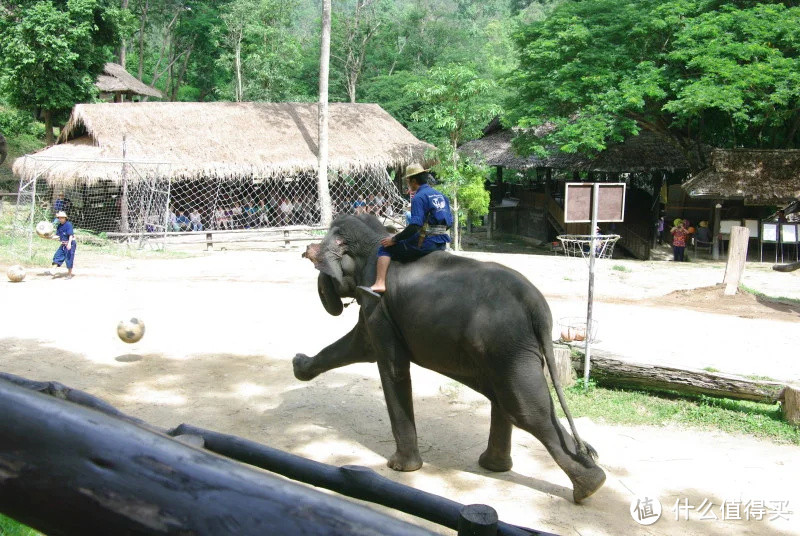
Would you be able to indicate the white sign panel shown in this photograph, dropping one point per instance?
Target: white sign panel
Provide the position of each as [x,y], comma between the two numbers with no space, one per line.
[725,226]
[788,233]
[752,226]
[769,232]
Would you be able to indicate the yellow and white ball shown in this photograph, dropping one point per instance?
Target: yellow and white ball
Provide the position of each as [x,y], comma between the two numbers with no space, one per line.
[16,273]
[130,330]
[45,229]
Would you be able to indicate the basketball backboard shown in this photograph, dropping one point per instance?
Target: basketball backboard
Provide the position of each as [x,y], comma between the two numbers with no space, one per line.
[578,202]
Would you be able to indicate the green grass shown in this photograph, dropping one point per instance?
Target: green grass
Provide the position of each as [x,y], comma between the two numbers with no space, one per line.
[760,294]
[9,527]
[638,408]
[711,369]
[620,268]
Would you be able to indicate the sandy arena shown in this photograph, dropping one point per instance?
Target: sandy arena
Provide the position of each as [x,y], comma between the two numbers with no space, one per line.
[222,329]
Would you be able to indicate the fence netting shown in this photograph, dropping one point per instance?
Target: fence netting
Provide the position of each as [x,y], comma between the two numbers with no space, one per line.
[147,204]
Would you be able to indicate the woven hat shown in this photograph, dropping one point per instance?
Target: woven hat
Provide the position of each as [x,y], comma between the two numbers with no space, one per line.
[61,214]
[414,169]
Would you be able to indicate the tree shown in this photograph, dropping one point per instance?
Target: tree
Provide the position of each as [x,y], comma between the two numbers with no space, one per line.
[697,72]
[457,104]
[260,50]
[357,30]
[52,51]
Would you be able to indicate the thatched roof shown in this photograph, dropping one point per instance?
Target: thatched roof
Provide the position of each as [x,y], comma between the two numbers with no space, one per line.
[643,153]
[224,140]
[757,176]
[115,79]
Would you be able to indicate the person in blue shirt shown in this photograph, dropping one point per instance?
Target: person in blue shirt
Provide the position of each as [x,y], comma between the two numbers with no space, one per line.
[66,252]
[427,229]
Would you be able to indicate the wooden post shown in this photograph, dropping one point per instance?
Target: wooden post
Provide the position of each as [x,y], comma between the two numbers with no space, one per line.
[123,202]
[737,255]
[790,403]
[564,369]
[477,520]
[323,191]
[715,237]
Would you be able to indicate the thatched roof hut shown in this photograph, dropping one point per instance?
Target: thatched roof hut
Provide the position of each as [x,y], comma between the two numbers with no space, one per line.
[222,140]
[643,153]
[757,176]
[115,79]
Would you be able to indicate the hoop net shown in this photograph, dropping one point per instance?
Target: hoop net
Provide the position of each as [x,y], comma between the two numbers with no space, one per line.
[579,245]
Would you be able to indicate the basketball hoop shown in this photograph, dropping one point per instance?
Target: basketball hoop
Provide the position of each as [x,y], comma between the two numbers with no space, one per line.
[579,245]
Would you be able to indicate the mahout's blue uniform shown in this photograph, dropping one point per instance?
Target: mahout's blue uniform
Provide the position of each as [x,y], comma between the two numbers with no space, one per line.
[430,211]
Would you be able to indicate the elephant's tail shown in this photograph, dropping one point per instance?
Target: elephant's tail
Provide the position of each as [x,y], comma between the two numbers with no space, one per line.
[550,360]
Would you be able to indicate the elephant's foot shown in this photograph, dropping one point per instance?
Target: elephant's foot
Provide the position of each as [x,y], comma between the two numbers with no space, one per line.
[587,483]
[405,462]
[496,463]
[302,367]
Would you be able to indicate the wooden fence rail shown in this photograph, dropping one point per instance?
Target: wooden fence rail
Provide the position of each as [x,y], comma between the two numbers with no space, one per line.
[72,464]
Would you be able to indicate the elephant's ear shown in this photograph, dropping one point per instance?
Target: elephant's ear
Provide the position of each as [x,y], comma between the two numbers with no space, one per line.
[328,296]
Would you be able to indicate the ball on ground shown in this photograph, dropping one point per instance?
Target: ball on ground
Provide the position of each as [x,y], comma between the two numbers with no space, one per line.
[130,330]
[16,273]
[44,229]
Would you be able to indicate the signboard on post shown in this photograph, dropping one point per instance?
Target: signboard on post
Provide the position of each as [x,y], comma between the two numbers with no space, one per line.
[593,203]
[578,202]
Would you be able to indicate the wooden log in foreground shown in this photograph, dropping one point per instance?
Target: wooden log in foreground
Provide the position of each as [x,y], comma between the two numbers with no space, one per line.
[351,480]
[610,371]
[69,470]
[791,267]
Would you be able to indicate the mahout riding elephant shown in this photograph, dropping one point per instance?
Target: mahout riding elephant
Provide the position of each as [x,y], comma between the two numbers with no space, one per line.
[479,323]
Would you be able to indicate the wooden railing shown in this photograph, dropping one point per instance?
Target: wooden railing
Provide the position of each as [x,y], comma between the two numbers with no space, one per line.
[635,239]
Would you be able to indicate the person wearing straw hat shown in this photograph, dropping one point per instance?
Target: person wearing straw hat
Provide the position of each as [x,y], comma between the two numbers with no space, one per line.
[66,251]
[426,232]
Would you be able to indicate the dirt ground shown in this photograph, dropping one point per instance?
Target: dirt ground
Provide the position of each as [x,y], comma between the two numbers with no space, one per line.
[222,329]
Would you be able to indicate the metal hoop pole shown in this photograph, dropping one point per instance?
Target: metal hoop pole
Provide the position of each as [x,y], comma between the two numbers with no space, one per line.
[588,352]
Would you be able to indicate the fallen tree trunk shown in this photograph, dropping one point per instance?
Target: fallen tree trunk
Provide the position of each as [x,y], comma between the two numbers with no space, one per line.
[68,470]
[791,267]
[608,370]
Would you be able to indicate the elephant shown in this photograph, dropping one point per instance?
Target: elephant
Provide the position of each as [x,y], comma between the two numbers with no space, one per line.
[479,323]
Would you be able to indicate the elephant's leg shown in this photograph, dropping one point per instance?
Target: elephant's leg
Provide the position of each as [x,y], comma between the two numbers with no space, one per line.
[526,400]
[352,348]
[497,456]
[394,367]
[396,382]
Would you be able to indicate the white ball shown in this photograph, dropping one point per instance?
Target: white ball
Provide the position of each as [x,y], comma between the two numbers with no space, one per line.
[16,273]
[44,229]
[130,330]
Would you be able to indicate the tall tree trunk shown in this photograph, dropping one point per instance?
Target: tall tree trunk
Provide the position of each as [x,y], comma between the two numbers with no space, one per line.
[141,38]
[326,211]
[239,68]
[122,46]
[49,138]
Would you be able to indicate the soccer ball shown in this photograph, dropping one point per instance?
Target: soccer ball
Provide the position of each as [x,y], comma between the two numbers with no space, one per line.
[131,330]
[16,273]
[44,229]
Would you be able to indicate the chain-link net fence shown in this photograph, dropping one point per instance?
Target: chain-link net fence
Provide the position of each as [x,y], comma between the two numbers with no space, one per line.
[148,207]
